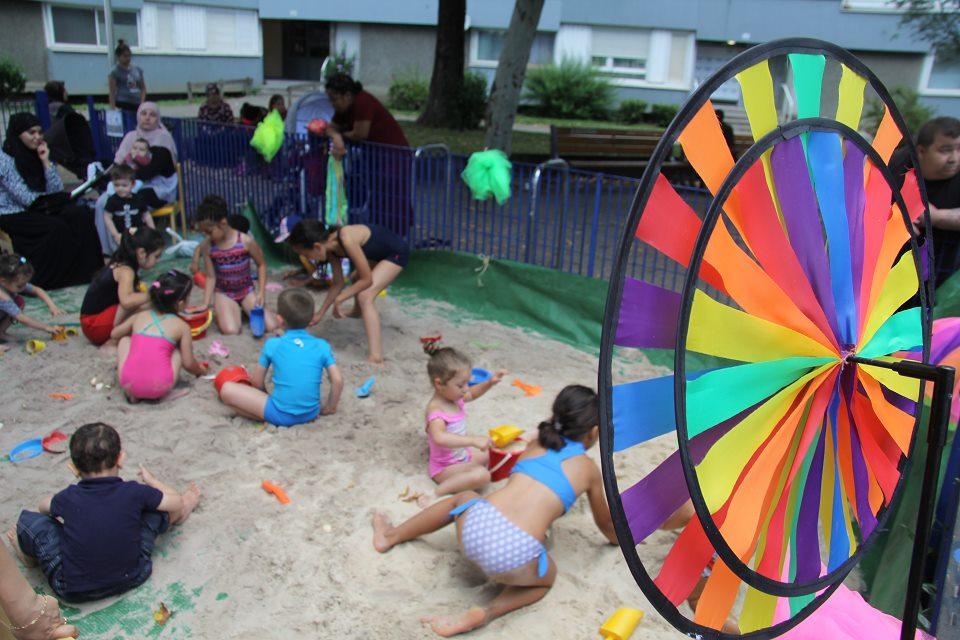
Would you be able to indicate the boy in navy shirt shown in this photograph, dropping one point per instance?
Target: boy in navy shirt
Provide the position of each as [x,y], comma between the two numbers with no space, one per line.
[94,539]
[298,360]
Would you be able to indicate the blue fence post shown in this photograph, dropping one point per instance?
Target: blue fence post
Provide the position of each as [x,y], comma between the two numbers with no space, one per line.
[594,228]
[95,129]
[42,104]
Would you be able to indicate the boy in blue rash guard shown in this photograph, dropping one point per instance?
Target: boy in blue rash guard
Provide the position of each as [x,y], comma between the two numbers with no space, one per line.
[298,360]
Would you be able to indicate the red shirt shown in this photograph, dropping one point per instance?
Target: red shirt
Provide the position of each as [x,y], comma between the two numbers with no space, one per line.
[383,128]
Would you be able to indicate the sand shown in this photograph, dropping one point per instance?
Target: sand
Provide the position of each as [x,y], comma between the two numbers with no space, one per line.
[244,566]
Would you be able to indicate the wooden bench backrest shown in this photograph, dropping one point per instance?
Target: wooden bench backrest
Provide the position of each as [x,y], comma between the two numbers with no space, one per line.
[584,141]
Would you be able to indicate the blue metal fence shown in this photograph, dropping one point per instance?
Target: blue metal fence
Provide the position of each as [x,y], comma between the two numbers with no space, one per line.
[556,217]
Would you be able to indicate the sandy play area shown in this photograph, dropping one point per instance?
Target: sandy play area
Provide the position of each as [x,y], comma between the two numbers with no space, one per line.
[245,566]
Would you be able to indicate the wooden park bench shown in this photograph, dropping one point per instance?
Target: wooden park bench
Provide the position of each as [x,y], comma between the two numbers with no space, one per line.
[242,85]
[610,150]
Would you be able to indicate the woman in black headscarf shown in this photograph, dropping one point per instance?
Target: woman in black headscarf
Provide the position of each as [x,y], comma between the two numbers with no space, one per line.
[56,235]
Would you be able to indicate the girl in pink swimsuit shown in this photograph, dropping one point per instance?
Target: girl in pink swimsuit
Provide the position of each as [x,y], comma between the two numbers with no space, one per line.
[156,342]
[458,462]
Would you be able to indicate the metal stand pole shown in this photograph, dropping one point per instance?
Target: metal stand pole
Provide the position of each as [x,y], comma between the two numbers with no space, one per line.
[942,379]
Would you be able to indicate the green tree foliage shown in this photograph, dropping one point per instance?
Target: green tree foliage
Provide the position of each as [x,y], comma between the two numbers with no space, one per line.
[12,80]
[936,21]
[908,103]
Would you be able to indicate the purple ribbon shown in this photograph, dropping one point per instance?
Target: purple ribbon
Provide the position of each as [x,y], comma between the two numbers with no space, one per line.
[648,316]
[802,216]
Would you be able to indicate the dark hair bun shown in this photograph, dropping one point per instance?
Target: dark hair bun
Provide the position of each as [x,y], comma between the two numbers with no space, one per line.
[549,437]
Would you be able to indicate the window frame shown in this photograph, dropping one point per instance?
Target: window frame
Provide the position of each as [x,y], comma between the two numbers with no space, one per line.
[925,89]
[99,47]
[140,49]
[474,47]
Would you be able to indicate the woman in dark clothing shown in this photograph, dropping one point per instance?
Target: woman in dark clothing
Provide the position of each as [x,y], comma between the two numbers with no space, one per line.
[57,236]
[361,117]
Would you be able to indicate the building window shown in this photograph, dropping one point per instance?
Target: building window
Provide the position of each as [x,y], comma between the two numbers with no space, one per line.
[942,75]
[86,26]
[488,43]
[620,50]
[171,28]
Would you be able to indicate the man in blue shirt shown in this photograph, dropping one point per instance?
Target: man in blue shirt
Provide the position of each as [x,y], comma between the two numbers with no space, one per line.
[94,539]
[298,360]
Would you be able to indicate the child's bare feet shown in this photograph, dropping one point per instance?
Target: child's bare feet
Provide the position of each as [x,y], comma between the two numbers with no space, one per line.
[447,626]
[381,524]
[24,558]
[190,499]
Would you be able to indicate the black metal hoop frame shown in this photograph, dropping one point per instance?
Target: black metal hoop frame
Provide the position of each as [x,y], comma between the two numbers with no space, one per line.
[615,293]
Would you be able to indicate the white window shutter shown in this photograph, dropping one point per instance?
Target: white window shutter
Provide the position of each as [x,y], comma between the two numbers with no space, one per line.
[573,41]
[189,28]
[148,26]
[658,64]
[248,32]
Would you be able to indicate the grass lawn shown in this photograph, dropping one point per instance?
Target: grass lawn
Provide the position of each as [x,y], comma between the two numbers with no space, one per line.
[467,142]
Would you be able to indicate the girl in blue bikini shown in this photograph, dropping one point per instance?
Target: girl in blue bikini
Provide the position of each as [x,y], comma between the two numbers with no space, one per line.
[377,256]
[503,533]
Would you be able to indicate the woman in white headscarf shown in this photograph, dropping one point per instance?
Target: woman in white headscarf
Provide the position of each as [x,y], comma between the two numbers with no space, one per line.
[160,175]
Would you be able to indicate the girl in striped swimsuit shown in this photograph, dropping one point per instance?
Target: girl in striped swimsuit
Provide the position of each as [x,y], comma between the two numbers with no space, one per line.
[229,282]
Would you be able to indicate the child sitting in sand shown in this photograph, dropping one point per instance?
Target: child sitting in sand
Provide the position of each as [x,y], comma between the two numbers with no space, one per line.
[503,533]
[298,360]
[229,283]
[458,462]
[94,539]
[15,274]
[114,294]
[153,347]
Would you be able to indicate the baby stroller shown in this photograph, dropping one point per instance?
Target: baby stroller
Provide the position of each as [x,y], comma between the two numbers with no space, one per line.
[312,106]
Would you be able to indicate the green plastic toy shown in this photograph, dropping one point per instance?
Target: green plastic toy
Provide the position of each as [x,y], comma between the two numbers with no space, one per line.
[488,173]
[268,137]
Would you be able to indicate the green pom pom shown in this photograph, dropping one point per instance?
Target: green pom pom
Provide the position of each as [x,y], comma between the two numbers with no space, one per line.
[268,137]
[488,172]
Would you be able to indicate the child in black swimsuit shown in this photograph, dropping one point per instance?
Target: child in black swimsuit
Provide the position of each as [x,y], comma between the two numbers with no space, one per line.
[377,254]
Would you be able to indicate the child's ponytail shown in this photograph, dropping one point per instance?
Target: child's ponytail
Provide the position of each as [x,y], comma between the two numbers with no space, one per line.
[150,240]
[575,413]
[168,290]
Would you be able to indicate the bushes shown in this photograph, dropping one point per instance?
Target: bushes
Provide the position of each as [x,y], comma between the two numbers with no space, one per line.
[408,93]
[12,80]
[340,62]
[662,114]
[572,90]
[907,101]
[473,100]
[632,111]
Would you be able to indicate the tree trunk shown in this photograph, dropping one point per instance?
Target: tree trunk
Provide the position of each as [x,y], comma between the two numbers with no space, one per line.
[446,84]
[508,82]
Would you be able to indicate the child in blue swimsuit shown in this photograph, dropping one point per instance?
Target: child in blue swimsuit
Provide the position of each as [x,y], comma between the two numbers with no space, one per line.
[503,533]
[377,256]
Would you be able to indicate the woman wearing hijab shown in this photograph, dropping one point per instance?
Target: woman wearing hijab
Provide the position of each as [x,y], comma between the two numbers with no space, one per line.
[160,175]
[57,236]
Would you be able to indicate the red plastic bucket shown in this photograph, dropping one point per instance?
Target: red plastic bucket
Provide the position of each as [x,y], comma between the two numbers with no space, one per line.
[199,322]
[502,460]
[234,373]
